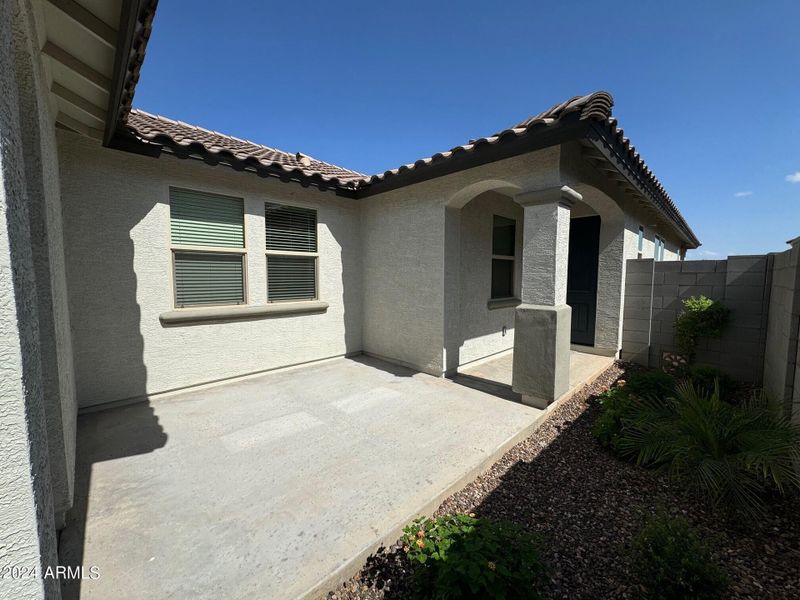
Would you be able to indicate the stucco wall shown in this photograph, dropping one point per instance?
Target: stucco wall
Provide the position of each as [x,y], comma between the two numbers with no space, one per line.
[781,356]
[481,329]
[27,530]
[116,216]
[403,241]
[41,170]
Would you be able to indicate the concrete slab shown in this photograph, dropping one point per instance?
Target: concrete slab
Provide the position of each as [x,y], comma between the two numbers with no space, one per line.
[582,367]
[276,486]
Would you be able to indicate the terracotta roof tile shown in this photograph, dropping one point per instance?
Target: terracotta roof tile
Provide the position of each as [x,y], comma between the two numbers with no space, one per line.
[153,128]
[591,108]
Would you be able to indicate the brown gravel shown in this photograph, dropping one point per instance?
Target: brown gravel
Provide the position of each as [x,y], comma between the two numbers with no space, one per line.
[588,505]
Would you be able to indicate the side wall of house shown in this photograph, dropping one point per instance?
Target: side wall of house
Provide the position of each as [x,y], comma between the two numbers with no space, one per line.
[403,243]
[35,440]
[117,231]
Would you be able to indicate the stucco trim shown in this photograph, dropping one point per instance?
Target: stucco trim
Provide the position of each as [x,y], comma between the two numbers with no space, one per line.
[503,303]
[185,316]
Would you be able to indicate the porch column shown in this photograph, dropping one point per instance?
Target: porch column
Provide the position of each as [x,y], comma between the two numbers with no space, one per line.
[543,320]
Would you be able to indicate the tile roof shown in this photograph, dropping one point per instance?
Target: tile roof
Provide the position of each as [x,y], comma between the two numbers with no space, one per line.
[193,139]
[595,109]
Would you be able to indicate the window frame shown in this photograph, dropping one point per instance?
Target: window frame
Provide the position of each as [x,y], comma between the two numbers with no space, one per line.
[199,249]
[512,258]
[314,255]
[640,243]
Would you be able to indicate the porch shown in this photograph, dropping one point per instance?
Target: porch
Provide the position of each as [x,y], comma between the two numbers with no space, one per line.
[276,486]
[496,372]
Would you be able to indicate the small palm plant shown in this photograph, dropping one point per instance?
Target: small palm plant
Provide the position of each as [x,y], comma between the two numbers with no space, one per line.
[730,454]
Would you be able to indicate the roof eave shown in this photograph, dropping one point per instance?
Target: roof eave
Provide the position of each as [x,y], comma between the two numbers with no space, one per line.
[602,136]
[539,136]
[136,21]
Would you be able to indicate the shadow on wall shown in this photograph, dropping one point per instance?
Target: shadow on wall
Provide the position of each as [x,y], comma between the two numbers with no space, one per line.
[104,435]
[97,281]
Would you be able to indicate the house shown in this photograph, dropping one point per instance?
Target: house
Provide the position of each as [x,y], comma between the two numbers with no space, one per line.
[142,255]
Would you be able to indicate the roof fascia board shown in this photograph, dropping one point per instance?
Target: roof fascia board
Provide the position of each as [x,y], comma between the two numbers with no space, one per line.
[549,135]
[606,145]
[129,20]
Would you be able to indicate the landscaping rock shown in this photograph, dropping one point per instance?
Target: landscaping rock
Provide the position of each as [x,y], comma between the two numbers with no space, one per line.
[588,505]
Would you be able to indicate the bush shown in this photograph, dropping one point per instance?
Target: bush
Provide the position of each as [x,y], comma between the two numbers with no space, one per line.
[651,384]
[705,378]
[730,454]
[701,317]
[671,562]
[459,556]
[616,404]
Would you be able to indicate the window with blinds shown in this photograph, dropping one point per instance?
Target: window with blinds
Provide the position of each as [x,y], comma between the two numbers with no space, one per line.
[207,232]
[291,247]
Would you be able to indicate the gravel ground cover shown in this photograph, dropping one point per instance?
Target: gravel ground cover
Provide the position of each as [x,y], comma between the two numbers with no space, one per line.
[588,505]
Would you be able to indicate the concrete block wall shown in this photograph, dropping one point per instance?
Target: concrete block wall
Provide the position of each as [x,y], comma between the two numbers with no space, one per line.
[654,292]
[781,357]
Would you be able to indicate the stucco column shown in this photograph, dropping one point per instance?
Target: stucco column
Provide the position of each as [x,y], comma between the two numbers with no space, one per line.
[543,321]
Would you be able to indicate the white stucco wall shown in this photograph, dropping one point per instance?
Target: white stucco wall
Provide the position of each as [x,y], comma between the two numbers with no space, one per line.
[27,529]
[116,215]
[412,260]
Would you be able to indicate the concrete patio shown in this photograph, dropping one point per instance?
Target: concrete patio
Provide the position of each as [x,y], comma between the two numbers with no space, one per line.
[494,374]
[276,486]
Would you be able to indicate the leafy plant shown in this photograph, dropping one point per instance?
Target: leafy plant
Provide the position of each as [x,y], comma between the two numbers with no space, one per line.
[651,384]
[459,556]
[701,317]
[705,378]
[671,561]
[617,403]
[730,454]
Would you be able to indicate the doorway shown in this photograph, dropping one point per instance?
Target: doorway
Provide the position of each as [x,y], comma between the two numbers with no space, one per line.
[584,252]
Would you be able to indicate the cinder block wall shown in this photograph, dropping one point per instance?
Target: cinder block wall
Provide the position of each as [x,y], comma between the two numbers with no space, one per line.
[781,356]
[653,299]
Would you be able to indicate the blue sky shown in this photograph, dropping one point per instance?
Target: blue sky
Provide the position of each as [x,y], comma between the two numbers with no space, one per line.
[709,92]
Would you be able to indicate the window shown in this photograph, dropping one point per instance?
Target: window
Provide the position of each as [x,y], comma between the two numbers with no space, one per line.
[659,253]
[292,256]
[640,247]
[207,232]
[504,236]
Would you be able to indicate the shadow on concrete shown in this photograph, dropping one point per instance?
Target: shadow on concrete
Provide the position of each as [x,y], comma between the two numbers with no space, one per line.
[383,365]
[102,436]
[488,386]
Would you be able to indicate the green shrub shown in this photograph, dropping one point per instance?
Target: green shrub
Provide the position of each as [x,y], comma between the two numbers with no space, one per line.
[705,378]
[459,556]
[651,384]
[616,404]
[701,317]
[730,454]
[671,562]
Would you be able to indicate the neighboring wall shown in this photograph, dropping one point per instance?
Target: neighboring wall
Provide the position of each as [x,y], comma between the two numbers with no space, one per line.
[116,213]
[653,299]
[782,358]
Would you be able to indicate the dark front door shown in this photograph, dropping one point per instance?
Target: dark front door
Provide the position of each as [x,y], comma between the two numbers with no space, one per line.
[584,250]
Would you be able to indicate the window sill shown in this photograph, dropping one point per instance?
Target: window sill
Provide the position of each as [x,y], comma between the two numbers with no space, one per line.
[181,316]
[503,303]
